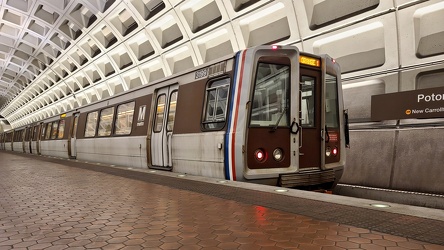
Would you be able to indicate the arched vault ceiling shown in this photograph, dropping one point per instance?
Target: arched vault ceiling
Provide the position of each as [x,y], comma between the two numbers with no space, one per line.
[58,55]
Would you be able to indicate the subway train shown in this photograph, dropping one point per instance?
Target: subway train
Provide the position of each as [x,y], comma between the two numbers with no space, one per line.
[268,114]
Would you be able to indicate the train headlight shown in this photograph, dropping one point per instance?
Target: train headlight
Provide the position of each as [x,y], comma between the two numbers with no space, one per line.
[278,155]
[259,154]
[328,151]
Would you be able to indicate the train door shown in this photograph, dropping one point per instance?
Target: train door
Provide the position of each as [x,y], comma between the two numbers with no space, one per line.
[310,156]
[41,129]
[34,138]
[72,138]
[29,138]
[23,139]
[162,128]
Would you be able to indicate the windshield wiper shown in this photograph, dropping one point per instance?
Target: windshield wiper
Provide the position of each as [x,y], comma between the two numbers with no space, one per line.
[279,120]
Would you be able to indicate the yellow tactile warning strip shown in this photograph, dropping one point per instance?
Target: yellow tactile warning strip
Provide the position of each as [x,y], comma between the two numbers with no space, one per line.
[46,204]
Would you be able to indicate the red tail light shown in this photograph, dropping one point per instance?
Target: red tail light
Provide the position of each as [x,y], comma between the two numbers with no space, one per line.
[335,151]
[259,154]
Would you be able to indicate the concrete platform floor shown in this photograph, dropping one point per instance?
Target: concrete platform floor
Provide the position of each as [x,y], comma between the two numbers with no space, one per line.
[48,203]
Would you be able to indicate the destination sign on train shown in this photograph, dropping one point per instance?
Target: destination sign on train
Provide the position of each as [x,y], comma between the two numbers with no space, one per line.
[424,103]
[309,61]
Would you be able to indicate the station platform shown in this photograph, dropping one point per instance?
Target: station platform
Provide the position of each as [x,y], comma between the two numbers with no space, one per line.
[52,203]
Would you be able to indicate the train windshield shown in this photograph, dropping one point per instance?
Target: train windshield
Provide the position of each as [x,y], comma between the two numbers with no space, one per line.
[271,100]
[331,102]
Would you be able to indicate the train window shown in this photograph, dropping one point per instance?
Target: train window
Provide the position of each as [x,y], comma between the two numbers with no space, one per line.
[172,111]
[216,104]
[48,130]
[55,126]
[27,134]
[91,124]
[271,100]
[124,121]
[307,101]
[34,134]
[106,121]
[61,129]
[160,110]
[331,102]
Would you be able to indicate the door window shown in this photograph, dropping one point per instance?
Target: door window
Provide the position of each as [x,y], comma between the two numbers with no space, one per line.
[160,111]
[74,129]
[172,111]
[308,101]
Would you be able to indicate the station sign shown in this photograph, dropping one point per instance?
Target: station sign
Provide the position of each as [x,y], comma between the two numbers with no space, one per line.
[424,103]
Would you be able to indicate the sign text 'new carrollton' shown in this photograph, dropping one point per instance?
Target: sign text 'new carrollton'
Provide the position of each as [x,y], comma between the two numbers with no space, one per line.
[424,103]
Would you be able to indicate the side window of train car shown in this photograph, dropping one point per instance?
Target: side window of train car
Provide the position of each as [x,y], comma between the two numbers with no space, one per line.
[34,134]
[106,121]
[91,124]
[160,110]
[216,104]
[61,129]
[172,111]
[48,130]
[124,120]
[55,126]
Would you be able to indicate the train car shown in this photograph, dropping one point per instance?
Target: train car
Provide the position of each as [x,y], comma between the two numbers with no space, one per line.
[53,138]
[268,114]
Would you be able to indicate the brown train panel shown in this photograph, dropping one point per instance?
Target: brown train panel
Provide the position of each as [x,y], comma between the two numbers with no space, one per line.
[189,107]
[334,141]
[68,124]
[262,138]
[140,127]
[81,125]
[135,129]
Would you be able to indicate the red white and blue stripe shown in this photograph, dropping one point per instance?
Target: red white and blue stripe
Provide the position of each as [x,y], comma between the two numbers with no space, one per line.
[233,118]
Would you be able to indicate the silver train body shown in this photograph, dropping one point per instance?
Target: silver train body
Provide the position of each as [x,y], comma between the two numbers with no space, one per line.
[268,114]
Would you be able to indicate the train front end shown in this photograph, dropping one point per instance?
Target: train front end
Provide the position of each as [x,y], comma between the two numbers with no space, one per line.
[286,124]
